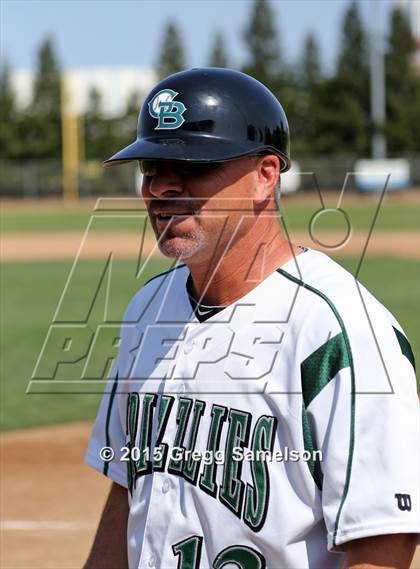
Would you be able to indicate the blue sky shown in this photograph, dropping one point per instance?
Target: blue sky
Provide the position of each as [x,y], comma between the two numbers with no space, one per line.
[128,32]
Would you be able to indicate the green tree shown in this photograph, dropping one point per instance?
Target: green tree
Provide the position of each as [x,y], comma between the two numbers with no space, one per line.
[261,40]
[9,135]
[100,131]
[94,128]
[218,56]
[403,88]
[341,116]
[43,118]
[353,58]
[308,82]
[172,58]
[104,134]
[264,61]
[340,124]
[127,122]
[310,66]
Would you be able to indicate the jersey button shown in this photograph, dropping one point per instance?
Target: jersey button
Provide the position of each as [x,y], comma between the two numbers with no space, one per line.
[166,486]
[189,346]
[152,561]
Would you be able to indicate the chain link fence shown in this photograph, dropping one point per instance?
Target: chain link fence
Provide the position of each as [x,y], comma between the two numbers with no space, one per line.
[33,179]
[44,179]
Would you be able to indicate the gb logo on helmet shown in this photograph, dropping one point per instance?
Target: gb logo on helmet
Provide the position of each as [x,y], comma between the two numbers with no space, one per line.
[167,111]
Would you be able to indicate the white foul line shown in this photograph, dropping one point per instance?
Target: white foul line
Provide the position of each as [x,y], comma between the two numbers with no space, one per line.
[43,525]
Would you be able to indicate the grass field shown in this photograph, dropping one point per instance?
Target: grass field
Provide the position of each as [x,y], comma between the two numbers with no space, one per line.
[394,213]
[31,292]
[48,462]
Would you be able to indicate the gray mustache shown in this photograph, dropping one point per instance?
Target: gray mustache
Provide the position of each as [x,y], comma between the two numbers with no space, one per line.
[186,204]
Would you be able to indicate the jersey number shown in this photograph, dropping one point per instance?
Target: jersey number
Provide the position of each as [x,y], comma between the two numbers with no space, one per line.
[189,552]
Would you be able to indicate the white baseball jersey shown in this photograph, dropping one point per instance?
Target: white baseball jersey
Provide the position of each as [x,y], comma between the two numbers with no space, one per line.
[268,435]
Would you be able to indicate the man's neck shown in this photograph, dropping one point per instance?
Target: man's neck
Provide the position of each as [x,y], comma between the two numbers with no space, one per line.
[243,267]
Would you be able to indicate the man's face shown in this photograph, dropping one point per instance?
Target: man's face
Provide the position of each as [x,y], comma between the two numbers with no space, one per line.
[199,210]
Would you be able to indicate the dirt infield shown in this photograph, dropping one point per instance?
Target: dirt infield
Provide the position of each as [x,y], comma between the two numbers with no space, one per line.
[57,246]
[50,500]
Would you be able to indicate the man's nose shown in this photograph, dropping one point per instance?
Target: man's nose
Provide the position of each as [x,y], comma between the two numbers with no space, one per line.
[164,183]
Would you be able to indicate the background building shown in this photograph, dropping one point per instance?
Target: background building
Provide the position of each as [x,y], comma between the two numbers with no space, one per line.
[115,84]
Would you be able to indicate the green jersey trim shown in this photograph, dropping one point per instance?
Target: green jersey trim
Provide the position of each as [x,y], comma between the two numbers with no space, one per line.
[405,347]
[313,464]
[316,372]
[326,361]
[353,389]
[108,420]
[164,273]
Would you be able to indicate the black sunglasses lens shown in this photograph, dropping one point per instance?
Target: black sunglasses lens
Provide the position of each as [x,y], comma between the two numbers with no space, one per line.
[184,169]
[195,169]
[148,167]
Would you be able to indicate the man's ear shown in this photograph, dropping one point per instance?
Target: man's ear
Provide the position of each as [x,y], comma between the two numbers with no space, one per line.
[268,171]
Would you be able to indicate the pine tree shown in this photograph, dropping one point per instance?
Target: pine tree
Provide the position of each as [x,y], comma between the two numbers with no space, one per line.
[96,147]
[340,124]
[262,43]
[172,57]
[7,98]
[46,93]
[43,120]
[353,59]
[264,61]
[9,136]
[218,56]
[311,62]
[308,81]
[342,114]
[403,88]
[127,123]
[104,135]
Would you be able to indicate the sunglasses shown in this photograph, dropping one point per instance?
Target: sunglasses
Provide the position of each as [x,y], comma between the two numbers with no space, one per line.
[185,169]
[150,168]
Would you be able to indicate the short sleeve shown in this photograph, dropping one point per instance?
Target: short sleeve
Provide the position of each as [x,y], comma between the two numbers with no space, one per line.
[362,408]
[108,432]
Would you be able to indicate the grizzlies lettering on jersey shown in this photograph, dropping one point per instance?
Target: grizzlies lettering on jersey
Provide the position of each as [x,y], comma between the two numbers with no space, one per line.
[200,468]
[306,361]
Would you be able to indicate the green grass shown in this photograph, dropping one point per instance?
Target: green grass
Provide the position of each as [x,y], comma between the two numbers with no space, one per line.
[38,220]
[391,216]
[395,283]
[297,215]
[31,292]
[73,220]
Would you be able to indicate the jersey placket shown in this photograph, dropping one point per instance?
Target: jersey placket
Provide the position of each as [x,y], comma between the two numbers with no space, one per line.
[165,489]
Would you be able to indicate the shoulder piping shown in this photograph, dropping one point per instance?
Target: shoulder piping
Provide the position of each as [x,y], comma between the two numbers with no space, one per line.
[164,273]
[405,347]
[353,390]
[108,420]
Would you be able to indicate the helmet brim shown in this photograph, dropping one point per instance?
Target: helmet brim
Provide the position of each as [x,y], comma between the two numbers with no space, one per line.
[196,150]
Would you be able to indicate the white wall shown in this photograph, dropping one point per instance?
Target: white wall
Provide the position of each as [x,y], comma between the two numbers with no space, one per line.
[115,84]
